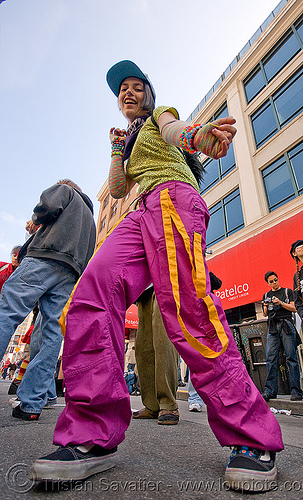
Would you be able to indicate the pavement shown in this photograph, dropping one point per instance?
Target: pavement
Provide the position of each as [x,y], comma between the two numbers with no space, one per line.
[182,461]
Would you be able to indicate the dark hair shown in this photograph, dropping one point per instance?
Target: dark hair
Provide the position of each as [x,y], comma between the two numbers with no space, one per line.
[269,273]
[194,163]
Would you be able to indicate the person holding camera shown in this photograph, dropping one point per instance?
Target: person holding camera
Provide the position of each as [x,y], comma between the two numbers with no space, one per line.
[278,305]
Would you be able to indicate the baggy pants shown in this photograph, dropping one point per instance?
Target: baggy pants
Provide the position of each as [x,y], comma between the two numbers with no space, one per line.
[156,357]
[162,242]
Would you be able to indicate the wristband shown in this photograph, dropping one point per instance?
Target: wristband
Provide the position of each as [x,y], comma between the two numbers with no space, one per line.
[118,145]
[187,138]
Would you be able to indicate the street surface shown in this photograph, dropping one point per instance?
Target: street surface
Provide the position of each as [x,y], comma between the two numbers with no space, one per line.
[182,461]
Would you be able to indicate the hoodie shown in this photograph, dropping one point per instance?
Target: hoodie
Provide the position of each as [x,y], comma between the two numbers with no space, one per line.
[67,233]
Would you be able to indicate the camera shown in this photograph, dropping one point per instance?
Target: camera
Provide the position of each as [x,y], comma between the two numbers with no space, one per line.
[270,305]
[268,300]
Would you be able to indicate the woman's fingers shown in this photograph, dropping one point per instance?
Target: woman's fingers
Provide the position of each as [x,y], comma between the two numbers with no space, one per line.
[118,132]
[228,120]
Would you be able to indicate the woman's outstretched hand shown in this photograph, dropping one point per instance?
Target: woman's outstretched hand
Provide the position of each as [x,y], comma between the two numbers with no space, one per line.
[225,132]
[116,132]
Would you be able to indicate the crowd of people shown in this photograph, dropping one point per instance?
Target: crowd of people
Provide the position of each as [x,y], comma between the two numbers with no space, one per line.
[161,242]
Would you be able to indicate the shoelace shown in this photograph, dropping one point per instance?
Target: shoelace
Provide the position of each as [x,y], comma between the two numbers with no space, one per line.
[245,450]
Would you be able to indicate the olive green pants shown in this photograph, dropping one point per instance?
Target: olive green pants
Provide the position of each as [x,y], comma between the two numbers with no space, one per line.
[156,357]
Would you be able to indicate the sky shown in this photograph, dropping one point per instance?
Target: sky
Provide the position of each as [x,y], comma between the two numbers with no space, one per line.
[56,107]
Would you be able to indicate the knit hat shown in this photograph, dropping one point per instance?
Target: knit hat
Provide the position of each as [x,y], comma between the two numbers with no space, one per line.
[294,246]
[124,69]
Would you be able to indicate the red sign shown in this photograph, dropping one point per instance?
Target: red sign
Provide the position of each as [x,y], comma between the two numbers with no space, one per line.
[243,267]
[131,317]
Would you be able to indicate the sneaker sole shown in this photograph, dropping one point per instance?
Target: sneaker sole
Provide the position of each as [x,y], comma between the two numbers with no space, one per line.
[46,470]
[240,479]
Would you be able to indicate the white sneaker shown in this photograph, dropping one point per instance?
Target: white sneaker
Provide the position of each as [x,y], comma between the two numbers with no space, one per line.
[195,407]
[14,401]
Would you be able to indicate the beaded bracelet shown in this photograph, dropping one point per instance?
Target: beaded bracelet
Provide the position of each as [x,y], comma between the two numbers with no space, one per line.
[187,137]
[118,145]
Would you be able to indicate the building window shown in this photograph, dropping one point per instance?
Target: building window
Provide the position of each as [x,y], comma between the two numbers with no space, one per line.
[106,201]
[102,225]
[275,60]
[284,105]
[114,209]
[215,170]
[283,179]
[226,217]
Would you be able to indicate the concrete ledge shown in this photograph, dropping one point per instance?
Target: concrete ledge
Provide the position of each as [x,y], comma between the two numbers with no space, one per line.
[182,394]
[281,403]
[284,403]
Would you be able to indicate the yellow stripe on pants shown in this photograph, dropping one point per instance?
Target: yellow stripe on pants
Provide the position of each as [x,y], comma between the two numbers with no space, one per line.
[170,216]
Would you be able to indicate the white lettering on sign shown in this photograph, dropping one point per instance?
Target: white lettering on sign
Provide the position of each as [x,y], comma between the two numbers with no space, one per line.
[234,292]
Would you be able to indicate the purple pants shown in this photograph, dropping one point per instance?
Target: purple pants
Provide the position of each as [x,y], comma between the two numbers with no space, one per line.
[162,242]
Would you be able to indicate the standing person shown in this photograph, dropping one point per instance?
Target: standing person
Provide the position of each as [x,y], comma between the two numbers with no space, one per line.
[7,268]
[278,306]
[162,242]
[296,251]
[157,364]
[63,240]
[11,370]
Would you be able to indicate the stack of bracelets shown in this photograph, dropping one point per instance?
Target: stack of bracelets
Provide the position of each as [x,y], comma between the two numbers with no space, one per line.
[118,145]
[187,137]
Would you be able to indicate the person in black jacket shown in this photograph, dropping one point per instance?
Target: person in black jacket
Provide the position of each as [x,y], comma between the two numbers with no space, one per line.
[296,252]
[62,242]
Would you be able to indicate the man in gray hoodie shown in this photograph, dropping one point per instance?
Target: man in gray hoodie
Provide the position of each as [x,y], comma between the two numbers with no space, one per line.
[62,242]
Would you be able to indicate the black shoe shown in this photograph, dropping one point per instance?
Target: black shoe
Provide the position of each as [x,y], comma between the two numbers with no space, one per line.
[296,397]
[268,396]
[59,388]
[13,388]
[18,413]
[70,463]
[251,470]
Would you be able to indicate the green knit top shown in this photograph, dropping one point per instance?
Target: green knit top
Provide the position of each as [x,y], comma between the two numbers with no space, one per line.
[153,161]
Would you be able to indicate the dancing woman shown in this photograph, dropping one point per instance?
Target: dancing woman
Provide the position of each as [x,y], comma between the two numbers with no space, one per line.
[163,242]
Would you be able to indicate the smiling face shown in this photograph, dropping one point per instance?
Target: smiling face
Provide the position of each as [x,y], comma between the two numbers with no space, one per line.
[131,97]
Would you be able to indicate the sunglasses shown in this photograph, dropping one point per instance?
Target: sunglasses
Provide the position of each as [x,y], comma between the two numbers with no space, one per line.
[273,281]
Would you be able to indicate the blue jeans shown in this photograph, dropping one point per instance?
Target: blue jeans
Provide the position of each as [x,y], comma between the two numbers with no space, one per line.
[35,346]
[50,283]
[289,344]
[193,396]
